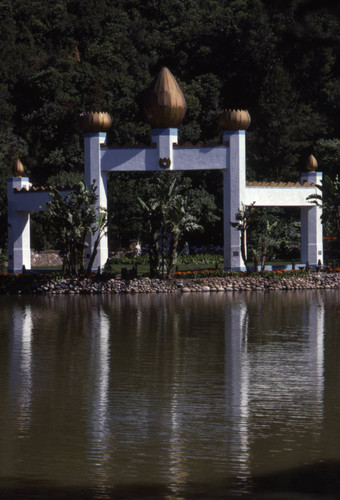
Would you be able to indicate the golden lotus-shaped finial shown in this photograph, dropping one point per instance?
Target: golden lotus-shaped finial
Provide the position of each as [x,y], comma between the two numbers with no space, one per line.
[165,105]
[311,164]
[234,119]
[18,168]
[95,121]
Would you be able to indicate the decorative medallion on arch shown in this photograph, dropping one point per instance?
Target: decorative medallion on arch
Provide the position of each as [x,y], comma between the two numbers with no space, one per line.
[164,163]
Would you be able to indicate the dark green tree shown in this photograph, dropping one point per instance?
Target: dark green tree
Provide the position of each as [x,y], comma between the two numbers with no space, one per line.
[266,233]
[278,59]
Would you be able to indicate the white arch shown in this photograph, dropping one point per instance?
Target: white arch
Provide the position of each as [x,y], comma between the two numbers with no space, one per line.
[229,157]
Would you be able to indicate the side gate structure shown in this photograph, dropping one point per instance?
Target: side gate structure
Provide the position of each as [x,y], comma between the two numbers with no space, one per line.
[165,108]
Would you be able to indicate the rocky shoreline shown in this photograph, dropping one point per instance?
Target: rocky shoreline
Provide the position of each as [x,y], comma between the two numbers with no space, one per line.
[95,285]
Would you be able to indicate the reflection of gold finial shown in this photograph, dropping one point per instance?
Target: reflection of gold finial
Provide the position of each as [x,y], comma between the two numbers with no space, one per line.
[18,168]
[165,105]
[95,122]
[234,119]
[311,164]
[75,53]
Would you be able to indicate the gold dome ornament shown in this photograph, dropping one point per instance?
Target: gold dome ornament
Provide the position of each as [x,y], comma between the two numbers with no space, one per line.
[311,164]
[95,121]
[234,119]
[18,168]
[165,104]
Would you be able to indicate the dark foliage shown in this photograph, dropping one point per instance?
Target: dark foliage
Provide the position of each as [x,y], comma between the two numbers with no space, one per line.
[280,60]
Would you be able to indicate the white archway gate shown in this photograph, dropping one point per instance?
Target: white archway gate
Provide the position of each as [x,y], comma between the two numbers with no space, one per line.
[165,111]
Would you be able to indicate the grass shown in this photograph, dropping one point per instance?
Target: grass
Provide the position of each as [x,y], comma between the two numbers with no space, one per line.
[193,265]
[199,262]
[212,264]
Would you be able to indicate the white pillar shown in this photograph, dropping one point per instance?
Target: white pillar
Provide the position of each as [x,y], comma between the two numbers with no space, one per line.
[165,138]
[311,226]
[19,241]
[234,182]
[311,236]
[92,146]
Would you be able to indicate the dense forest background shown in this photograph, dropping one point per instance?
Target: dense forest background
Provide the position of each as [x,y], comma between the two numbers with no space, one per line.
[277,58]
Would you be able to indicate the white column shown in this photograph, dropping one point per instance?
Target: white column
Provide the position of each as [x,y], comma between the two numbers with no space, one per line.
[311,236]
[19,238]
[311,226]
[92,144]
[234,182]
[165,138]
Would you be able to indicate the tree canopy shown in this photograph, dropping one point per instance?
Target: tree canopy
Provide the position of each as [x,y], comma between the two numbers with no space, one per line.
[280,60]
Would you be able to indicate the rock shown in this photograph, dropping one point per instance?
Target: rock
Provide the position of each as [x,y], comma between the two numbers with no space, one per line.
[229,284]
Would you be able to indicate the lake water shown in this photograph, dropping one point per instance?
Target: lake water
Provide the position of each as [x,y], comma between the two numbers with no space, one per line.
[206,395]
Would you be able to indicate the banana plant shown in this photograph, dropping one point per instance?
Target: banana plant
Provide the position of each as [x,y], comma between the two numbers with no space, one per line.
[70,218]
[180,221]
[153,223]
[168,214]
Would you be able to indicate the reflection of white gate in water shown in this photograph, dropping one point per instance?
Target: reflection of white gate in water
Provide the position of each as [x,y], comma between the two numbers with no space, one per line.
[272,381]
[264,381]
[165,109]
